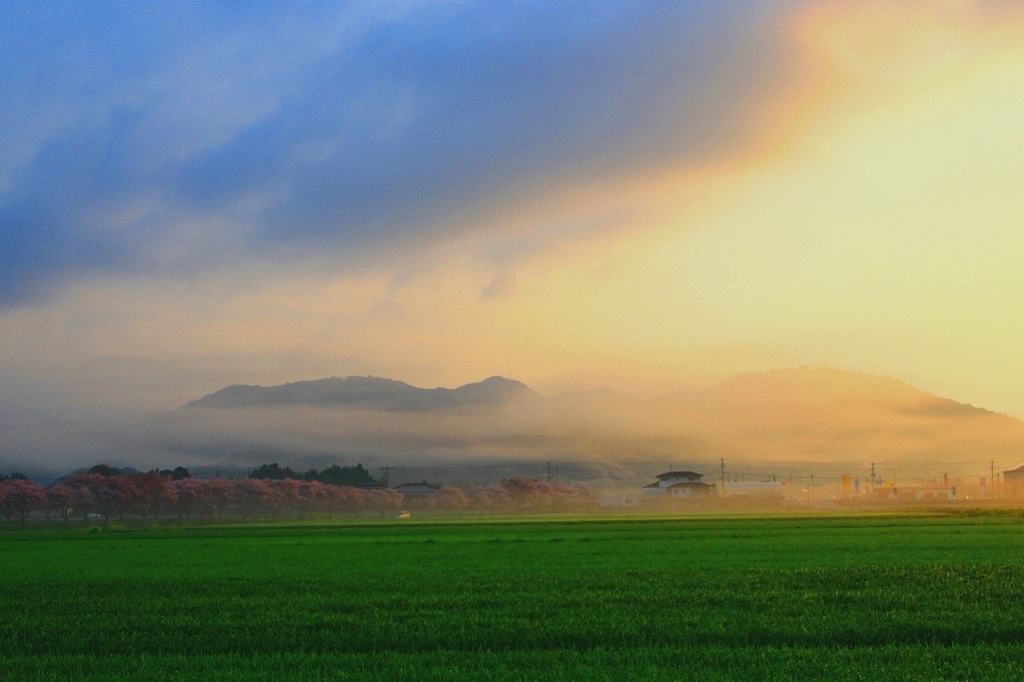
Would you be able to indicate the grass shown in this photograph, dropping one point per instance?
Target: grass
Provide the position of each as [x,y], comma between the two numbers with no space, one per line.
[842,597]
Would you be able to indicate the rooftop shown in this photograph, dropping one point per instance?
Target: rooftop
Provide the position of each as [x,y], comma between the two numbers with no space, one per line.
[675,474]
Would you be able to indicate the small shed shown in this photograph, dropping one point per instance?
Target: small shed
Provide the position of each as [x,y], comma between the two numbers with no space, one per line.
[933,493]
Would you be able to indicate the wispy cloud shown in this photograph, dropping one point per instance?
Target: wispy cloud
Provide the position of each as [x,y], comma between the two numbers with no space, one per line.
[641,194]
[156,138]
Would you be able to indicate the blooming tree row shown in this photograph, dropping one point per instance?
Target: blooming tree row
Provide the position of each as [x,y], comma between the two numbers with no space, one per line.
[153,495]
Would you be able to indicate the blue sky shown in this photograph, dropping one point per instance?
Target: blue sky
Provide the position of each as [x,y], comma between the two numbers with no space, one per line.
[176,137]
[644,195]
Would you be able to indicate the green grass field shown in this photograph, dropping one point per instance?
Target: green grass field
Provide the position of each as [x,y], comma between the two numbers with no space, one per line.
[838,598]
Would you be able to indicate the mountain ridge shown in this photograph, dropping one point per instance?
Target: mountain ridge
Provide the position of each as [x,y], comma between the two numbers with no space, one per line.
[367,392]
[801,414]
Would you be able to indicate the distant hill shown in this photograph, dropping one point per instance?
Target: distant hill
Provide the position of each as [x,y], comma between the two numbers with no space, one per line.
[793,415]
[368,393]
[830,414]
[821,396]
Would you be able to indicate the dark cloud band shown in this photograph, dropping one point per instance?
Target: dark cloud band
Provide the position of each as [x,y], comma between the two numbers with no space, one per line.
[333,128]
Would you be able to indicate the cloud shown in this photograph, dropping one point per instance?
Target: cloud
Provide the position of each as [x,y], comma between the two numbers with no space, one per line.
[575,194]
[156,140]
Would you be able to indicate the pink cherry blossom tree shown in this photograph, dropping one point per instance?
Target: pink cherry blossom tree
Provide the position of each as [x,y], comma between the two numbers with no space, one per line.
[19,498]
[61,499]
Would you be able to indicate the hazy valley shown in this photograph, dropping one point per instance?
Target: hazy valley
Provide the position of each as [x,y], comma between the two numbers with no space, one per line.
[765,421]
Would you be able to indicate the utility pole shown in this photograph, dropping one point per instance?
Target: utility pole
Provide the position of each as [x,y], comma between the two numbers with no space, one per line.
[872,477]
[549,472]
[810,489]
[723,476]
[995,490]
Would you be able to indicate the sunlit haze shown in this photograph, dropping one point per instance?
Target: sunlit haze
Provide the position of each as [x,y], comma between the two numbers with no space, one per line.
[647,197]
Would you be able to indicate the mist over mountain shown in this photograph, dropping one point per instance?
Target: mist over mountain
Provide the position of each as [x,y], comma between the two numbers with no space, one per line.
[808,415]
[368,393]
[820,416]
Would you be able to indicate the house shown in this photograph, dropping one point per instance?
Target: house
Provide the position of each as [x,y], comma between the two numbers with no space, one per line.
[1013,482]
[372,484]
[416,490]
[677,484]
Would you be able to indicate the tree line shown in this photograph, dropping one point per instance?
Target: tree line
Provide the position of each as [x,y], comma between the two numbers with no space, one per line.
[333,475]
[155,495]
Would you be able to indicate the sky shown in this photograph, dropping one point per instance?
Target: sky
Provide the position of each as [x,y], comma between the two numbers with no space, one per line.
[641,195]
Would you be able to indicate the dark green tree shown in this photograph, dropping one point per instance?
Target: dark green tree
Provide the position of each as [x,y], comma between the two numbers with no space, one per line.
[273,472]
[344,475]
[180,473]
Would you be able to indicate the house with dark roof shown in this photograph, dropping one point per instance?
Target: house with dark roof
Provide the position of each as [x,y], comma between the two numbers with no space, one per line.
[678,484]
[416,490]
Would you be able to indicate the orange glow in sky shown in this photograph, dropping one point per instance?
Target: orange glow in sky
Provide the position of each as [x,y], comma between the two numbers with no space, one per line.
[869,217]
